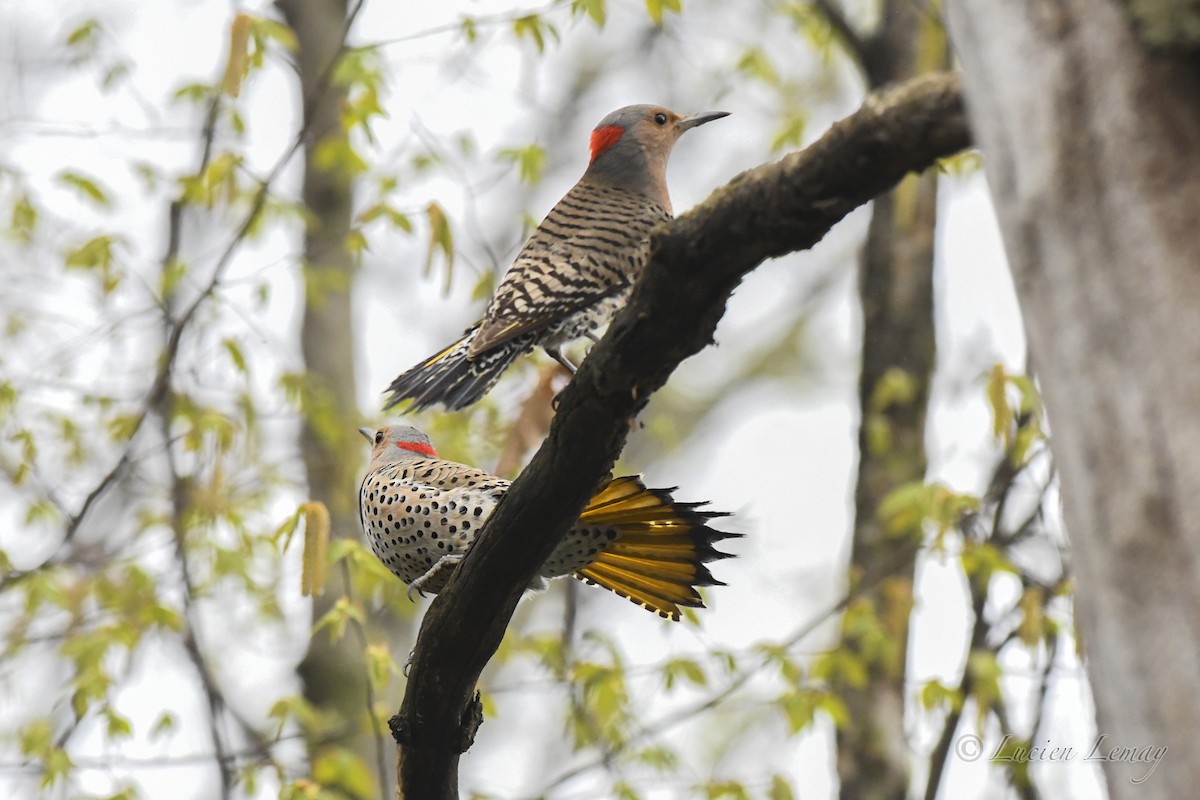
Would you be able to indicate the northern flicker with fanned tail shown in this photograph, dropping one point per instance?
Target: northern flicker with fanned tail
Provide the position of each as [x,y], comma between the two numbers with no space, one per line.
[577,268]
[421,513]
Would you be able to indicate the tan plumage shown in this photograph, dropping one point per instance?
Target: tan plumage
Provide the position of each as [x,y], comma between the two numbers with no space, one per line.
[575,271]
[421,513]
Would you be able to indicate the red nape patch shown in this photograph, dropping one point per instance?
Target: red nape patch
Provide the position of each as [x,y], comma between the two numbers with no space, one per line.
[604,138]
[417,447]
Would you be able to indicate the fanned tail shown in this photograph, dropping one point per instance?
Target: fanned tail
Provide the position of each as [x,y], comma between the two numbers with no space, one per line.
[657,558]
[450,378]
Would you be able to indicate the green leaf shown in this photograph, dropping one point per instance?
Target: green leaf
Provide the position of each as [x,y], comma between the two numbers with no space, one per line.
[355,242]
[790,133]
[469,29]
[193,92]
[58,765]
[286,530]
[967,162]
[780,789]
[716,790]
[1031,398]
[531,161]
[36,739]
[41,510]
[981,560]
[235,354]
[1002,415]
[834,708]
[536,29]
[659,757]
[906,509]
[388,213]
[270,29]
[799,708]
[623,791]
[684,668]
[441,239]
[85,186]
[83,33]
[1033,616]
[97,254]
[896,387]
[985,681]
[114,76]
[381,667]
[756,64]
[338,617]
[336,154]
[360,109]
[342,769]
[595,9]
[935,693]
[24,219]
[118,727]
[657,9]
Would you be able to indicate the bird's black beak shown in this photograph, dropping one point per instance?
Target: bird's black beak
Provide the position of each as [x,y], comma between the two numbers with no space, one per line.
[367,432]
[695,120]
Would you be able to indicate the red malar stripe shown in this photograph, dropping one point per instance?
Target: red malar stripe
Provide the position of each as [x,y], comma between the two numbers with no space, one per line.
[604,138]
[417,447]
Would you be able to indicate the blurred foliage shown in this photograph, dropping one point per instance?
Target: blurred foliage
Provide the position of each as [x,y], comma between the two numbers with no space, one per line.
[148,424]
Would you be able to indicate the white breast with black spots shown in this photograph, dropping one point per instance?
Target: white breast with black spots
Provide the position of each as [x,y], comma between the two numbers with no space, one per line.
[416,512]
[577,549]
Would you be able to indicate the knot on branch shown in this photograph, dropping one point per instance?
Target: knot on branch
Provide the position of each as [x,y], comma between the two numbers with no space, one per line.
[406,733]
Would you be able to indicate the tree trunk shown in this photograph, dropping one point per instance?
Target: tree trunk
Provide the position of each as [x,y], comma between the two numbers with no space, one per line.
[1093,153]
[896,289]
[333,673]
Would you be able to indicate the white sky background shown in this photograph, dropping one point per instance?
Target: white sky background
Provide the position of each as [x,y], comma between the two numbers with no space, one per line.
[780,454]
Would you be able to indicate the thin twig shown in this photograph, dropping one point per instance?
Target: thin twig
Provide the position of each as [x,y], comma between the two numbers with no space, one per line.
[671,720]
[835,17]
[381,760]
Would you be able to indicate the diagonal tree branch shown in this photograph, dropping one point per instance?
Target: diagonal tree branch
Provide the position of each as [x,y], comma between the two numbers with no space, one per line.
[697,262]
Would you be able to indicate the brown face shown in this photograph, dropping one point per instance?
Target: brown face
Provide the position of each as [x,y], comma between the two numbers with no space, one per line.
[653,127]
[658,129]
[638,140]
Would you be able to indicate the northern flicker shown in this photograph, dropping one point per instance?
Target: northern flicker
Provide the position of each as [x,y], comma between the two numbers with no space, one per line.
[421,514]
[577,268]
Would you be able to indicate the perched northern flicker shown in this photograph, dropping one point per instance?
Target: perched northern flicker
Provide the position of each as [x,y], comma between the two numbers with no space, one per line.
[577,268]
[421,514]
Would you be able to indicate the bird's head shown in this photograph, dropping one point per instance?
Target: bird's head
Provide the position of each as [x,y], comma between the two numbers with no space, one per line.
[630,147]
[396,443]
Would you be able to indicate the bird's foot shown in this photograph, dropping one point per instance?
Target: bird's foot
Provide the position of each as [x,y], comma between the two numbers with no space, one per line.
[451,559]
[554,353]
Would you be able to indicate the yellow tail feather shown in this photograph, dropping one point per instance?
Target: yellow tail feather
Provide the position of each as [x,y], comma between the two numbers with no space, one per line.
[429,362]
[657,559]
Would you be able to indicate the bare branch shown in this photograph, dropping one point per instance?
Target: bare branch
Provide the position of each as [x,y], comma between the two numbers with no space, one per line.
[835,17]
[697,261]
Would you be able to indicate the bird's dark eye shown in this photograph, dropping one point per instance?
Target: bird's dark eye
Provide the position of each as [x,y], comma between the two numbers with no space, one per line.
[660,119]
[378,437]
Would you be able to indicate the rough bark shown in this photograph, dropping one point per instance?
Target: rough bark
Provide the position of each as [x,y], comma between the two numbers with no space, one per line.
[1092,149]
[896,290]
[333,677]
[697,261]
